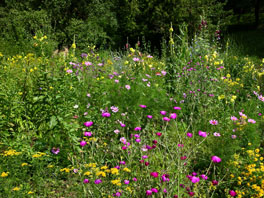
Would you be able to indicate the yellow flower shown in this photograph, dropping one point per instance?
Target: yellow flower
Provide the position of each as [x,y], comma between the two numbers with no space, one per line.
[24,164]
[16,189]
[132,50]
[73,46]
[50,166]
[127,170]
[30,192]
[228,75]
[126,62]
[101,173]
[104,167]
[116,182]
[4,174]
[87,173]
[114,171]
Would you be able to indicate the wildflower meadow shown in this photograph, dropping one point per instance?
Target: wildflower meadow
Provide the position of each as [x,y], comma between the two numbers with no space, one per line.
[188,123]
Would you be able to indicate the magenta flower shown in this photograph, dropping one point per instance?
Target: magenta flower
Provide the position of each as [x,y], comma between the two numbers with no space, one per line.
[154,141]
[127,87]
[155,190]
[83,143]
[69,71]
[148,192]
[214,182]
[138,140]
[191,193]
[87,133]
[173,116]
[136,59]
[134,179]
[203,176]
[158,134]
[122,162]
[88,124]
[163,112]
[106,114]
[165,190]
[86,181]
[216,159]
[203,134]
[123,140]
[232,193]
[126,181]
[137,129]
[166,119]
[122,124]
[177,108]
[98,181]
[217,134]
[165,178]
[195,179]
[144,157]
[137,135]
[149,116]
[189,135]
[143,106]
[154,174]
[213,122]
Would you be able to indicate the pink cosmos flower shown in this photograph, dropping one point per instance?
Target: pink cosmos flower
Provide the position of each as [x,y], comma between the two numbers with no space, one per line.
[116,131]
[69,71]
[123,140]
[127,87]
[213,122]
[232,193]
[233,118]
[136,59]
[88,124]
[86,181]
[233,136]
[251,121]
[203,134]
[216,159]
[217,134]
[83,143]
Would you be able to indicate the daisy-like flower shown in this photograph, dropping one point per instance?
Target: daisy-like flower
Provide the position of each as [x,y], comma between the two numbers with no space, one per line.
[213,122]
[114,109]
[217,134]
[234,118]
[251,121]
[136,59]
[127,87]
[123,140]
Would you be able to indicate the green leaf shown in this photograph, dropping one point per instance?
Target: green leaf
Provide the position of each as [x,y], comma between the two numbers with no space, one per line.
[53,122]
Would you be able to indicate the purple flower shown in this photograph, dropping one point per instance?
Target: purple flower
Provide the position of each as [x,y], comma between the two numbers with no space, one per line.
[137,135]
[144,157]
[189,135]
[232,193]
[148,192]
[233,136]
[86,181]
[69,71]
[195,179]
[87,133]
[134,179]
[127,87]
[138,140]
[116,131]
[203,134]
[126,181]
[122,124]
[173,116]
[55,150]
[155,190]
[88,63]
[214,182]
[149,116]
[217,134]
[136,59]
[88,124]
[106,114]
[122,162]
[114,109]
[163,112]
[203,176]
[251,121]
[166,119]
[143,106]
[177,108]
[216,159]
[137,129]
[98,181]
[83,143]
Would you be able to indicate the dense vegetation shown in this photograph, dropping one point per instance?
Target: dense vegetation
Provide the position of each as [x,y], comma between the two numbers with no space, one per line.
[93,122]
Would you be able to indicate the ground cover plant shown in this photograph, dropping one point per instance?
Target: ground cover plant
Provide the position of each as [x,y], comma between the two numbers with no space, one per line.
[104,124]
